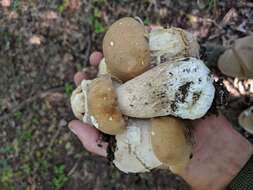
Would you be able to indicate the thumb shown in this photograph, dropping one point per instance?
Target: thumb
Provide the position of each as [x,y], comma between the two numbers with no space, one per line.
[89,136]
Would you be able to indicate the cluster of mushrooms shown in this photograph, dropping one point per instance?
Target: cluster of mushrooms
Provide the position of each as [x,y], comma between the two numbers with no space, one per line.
[148,86]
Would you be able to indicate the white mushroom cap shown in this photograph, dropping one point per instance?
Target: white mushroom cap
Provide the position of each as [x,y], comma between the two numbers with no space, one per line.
[134,152]
[183,88]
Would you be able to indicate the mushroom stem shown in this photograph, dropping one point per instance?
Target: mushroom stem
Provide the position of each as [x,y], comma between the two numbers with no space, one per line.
[172,43]
[149,144]
[134,152]
[182,88]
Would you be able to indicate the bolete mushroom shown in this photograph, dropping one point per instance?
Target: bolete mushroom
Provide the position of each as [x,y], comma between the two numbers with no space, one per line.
[246,119]
[126,49]
[172,43]
[144,146]
[95,102]
[178,85]
[103,108]
[182,88]
[169,142]
[237,61]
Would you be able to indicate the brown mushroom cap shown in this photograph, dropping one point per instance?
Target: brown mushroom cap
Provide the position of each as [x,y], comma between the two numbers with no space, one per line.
[246,119]
[238,60]
[169,142]
[103,108]
[126,49]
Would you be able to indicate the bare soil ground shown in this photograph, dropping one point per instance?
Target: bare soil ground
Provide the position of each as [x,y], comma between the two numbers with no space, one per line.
[42,45]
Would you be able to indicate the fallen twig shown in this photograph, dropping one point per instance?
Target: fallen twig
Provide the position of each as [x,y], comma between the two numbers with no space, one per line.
[73,169]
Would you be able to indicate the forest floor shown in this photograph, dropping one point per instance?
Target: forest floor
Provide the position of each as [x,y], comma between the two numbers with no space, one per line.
[42,45]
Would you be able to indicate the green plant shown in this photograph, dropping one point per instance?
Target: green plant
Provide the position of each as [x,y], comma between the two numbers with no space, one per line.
[68,89]
[3,165]
[97,12]
[147,21]
[18,115]
[95,21]
[6,181]
[26,168]
[8,149]
[60,178]
[99,2]
[6,38]
[25,136]
[44,165]
[62,7]
[35,120]
[212,4]
[15,5]
[99,28]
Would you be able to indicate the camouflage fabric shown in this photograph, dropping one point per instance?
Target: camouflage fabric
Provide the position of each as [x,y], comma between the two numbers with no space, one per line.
[244,180]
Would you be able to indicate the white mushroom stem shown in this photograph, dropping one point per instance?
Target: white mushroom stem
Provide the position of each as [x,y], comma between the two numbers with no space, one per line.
[134,153]
[171,43]
[181,88]
[87,118]
[102,68]
[78,102]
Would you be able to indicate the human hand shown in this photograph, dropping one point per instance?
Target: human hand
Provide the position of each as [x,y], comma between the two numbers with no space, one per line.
[219,151]
[89,135]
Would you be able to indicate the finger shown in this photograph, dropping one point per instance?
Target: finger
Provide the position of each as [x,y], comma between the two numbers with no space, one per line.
[79,77]
[95,58]
[90,137]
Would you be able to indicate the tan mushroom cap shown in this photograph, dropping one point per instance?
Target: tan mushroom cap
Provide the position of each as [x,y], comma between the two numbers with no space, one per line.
[246,119]
[103,108]
[238,60]
[126,49]
[169,142]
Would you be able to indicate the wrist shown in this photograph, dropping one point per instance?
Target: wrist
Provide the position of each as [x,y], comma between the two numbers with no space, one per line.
[219,154]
